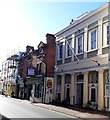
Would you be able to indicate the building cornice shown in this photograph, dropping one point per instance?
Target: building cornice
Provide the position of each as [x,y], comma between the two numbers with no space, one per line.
[87,16]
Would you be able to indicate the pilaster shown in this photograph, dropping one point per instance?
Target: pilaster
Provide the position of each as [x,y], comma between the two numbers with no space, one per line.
[72,89]
[99,37]
[62,87]
[54,87]
[85,89]
[100,89]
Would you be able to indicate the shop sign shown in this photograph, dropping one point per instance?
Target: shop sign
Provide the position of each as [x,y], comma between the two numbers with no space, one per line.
[49,83]
[31,71]
[38,80]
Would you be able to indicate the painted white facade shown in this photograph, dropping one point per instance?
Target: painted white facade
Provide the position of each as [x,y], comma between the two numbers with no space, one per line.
[91,60]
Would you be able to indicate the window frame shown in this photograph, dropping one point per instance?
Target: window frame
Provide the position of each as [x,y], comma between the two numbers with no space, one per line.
[79,36]
[105,35]
[68,49]
[58,56]
[90,40]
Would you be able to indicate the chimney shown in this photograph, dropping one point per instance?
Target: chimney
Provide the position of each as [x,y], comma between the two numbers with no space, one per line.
[50,38]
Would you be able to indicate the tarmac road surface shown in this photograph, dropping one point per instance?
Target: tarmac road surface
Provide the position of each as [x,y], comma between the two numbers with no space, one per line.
[11,108]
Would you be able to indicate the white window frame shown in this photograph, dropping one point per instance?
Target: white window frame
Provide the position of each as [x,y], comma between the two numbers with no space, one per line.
[59,51]
[104,44]
[89,42]
[68,48]
[77,44]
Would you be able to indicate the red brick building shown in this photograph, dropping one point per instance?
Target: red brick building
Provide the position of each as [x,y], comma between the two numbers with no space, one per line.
[36,68]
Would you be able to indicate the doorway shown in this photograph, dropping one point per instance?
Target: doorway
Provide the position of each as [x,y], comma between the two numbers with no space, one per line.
[79,89]
[79,94]
[67,92]
[93,93]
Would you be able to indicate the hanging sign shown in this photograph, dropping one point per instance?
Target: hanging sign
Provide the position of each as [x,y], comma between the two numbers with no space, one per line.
[49,83]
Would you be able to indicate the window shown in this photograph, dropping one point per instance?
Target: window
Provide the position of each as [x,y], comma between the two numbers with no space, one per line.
[67,79]
[92,39]
[59,78]
[105,34]
[38,91]
[60,51]
[80,78]
[93,77]
[79,44]
[68,49]
[106,78]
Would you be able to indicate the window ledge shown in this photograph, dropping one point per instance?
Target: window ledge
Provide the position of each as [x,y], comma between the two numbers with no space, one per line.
[105,46]
[67,57]
[80,53]
[59,59]
[92,50]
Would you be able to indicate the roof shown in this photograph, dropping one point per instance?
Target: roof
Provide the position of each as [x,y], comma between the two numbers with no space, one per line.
[82,18]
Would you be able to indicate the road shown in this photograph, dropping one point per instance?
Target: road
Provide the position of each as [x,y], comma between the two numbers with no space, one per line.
[11,108]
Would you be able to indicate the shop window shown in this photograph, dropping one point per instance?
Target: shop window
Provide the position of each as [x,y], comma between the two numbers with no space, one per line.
[38,91]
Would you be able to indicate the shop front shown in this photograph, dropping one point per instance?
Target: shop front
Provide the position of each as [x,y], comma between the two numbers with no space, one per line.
[41,89]
[35,89]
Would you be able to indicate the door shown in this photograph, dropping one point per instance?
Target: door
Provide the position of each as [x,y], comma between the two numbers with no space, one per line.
[93,94]
[79,94]
[68,93]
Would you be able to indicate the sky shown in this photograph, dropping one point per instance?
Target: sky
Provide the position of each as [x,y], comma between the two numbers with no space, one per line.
[26,22]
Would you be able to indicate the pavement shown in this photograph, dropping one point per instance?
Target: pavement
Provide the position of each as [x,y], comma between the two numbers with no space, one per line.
[67,111]
[70,112]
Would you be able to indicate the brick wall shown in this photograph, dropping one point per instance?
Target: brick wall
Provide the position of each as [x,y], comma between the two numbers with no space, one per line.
[50,55]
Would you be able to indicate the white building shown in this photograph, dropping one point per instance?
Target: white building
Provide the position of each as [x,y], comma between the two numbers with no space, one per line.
[82,76]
